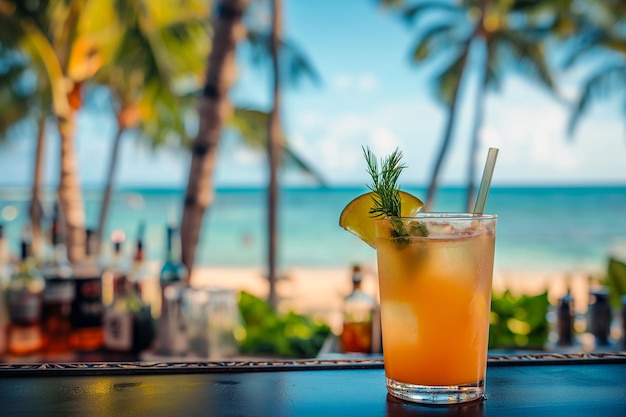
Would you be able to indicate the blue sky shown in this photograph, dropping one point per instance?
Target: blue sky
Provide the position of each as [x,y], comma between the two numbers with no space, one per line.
[370,95]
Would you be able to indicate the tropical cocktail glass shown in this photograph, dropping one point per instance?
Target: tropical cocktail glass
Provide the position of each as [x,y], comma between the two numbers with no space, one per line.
[435,295]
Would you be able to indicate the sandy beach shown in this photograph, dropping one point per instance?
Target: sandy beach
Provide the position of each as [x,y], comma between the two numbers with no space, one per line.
[319,292]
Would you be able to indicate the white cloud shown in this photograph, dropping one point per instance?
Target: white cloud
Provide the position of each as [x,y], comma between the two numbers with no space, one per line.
[535,147]
[341,82]
[490,137]
[246,156]
[383,140]
[366,83]
[308,120]
[362,83]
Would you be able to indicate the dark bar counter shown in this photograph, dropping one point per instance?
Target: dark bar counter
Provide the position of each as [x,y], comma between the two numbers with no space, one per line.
[529,385]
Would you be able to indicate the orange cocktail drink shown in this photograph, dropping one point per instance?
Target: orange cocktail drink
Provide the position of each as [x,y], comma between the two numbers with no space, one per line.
[435,273]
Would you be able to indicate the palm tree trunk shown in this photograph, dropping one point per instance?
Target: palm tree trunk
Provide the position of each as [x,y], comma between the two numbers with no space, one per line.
[106,196]
[36,206]
[213,108]
[274,149]
[69,193]
[447,137]
[479,113]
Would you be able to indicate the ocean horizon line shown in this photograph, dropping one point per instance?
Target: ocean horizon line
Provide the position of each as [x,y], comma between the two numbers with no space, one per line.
[340,187]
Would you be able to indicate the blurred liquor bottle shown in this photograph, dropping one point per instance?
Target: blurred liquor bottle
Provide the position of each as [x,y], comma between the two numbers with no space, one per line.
[359,310]
[145,280]
[24,296]
[565,321]
[600,317]
[5,276]
[146,286]
[58,294]
[87,310]
[113,267]
[127,320]
[171,329]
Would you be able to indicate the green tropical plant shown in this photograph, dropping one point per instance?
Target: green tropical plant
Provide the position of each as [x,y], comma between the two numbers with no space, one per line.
[271,333]
[615,281]
[518,322]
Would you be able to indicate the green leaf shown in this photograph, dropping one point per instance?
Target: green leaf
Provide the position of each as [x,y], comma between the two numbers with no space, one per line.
[518,322]
[269,333]
[616,281]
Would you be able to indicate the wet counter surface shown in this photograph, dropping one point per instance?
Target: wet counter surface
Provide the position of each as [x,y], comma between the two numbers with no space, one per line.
[531,385]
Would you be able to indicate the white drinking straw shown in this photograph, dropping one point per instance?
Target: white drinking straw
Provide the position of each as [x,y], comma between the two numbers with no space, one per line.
[485,183]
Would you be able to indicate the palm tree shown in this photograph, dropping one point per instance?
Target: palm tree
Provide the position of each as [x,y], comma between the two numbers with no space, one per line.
[214,109]
[601,37]
[509,35]
[62,33]
[150,58]
[287,63]
[25,49]
[62,37]
[274,145]
[252,126]
[17,99]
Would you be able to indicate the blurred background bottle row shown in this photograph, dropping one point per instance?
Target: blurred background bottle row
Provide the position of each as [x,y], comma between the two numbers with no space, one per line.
[112,306]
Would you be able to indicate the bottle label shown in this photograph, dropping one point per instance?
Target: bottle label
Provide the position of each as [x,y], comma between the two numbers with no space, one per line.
[24,307]
[118,330]
[58,290]
[87,309]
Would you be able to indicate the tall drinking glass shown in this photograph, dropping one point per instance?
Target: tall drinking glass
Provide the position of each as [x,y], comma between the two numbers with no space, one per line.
[435,273]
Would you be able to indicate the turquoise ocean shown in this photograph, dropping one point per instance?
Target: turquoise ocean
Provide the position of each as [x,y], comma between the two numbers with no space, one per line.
[539,228]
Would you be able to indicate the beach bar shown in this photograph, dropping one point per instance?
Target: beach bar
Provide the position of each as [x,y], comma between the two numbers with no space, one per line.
[234,288]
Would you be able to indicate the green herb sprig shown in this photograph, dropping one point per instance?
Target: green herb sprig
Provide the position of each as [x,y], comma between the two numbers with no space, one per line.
[386,194]
[384,183]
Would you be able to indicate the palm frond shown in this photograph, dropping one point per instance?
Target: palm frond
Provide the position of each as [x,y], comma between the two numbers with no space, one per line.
[450,78]
[616,43]
[414,12]
[291,158]
[163,116]
[294,62]
[298,63]
[582,46]
[435,39]
[541,6]
[251,127]
[527,56]
[36,42]
[603,83]
[492,73]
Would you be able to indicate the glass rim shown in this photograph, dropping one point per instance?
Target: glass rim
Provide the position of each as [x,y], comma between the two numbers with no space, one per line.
[443,216]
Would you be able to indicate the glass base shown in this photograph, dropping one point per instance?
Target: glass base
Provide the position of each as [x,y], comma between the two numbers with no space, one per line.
[439,394]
